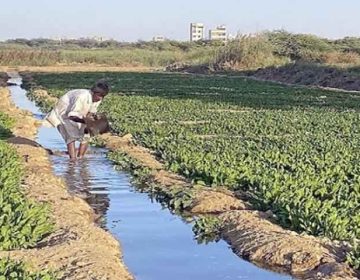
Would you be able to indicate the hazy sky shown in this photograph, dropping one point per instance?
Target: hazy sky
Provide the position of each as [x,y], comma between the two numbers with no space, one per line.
[140,19]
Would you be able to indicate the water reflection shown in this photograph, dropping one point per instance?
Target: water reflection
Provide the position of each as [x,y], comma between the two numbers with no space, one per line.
[80,182]
[87,178]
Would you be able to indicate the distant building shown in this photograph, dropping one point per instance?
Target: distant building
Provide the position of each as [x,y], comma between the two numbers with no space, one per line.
[232,37]
[219,34]
[196,32]
[159,38]
[98,38]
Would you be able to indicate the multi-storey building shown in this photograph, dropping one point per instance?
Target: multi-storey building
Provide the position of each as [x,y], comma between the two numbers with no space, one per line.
[219,33]
[196,32]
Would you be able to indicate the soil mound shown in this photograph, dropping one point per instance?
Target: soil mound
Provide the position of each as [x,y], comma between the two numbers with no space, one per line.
[309,75]
[18,140]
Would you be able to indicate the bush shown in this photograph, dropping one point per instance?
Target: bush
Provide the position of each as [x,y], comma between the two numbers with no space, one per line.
[297,46]
[5,124]
[347,44]
[247,52]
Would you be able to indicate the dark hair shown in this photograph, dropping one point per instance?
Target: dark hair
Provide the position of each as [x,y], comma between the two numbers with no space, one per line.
[101,87]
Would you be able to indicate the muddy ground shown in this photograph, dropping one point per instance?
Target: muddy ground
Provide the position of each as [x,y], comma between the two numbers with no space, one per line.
[252,234]
[78,248]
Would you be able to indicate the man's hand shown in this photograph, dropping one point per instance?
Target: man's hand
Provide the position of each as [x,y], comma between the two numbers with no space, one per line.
[92,116]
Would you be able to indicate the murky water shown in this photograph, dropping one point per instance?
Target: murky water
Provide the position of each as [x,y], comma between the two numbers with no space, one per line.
[156,244]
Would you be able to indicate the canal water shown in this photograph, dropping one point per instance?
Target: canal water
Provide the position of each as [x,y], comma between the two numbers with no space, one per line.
[156,244]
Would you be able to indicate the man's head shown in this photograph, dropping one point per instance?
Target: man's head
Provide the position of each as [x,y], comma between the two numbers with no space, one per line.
[100,90]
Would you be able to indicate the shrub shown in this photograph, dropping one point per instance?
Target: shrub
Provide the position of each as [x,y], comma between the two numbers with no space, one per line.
[5,124]
[297,46]
[247,52]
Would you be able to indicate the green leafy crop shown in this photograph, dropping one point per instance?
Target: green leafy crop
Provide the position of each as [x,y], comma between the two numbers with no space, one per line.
[22,222]
[16,270]
[6,123]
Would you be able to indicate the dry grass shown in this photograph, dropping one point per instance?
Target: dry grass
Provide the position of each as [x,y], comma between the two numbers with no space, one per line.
[340,58]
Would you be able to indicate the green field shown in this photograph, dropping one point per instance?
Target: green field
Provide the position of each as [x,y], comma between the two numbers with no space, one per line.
[292,150]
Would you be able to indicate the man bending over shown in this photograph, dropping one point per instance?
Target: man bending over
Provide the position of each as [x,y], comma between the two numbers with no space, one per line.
[70,113]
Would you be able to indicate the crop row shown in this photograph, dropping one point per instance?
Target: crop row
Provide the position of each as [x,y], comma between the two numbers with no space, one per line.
[23,222]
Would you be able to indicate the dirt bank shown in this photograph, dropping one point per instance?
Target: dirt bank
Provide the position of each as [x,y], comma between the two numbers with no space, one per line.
[309,75]
[313,75]
[251,234]
[78,248]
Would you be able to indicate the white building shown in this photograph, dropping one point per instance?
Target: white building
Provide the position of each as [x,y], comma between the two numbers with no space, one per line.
[219,33]
[159,38]
[232,37]
[98,38]
[196,32]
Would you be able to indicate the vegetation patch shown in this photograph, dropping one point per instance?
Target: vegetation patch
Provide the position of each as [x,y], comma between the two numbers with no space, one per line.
[207,229]
[46,52]
[6,123]
[17,270]
[292,150]
[246,52]
[353,258]
[41,100]
[23,222]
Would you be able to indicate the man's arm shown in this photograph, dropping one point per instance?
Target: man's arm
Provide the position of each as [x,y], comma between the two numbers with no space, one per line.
[76,119]
[79,107]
